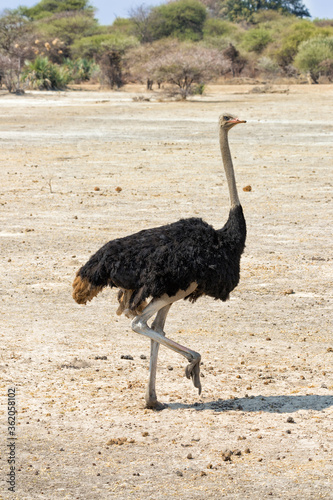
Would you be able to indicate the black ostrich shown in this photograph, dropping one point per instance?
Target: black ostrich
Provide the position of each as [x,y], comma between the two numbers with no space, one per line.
[182,260]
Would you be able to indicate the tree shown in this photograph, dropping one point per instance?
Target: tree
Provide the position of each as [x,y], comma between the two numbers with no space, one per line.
[142,25]
[68,26]
[46,8]
[183,19]
[109,51]
[237,62]
[15,47]
[244,9]
[184,65]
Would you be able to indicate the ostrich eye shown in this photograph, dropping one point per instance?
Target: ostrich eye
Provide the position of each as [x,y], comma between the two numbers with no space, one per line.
[226,118]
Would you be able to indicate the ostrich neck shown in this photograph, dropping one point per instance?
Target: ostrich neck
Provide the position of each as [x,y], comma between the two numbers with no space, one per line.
[228,168]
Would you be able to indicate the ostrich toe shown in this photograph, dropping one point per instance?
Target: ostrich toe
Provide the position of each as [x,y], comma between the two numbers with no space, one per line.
[193,371]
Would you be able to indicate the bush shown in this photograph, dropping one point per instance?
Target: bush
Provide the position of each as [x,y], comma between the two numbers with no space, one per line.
[257,39]
[41,74]
[81,70]
[292,38]
[315,56]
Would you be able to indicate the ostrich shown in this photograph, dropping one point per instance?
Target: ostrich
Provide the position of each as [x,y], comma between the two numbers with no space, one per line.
[182,260]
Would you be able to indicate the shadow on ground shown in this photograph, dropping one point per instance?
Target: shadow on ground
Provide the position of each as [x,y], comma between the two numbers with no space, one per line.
[271,404]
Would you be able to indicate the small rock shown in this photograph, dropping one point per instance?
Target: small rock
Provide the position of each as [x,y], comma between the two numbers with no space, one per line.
[323,386]
[126,356]
[170,368]
[289,291]
[290,420]
[96,188]
[247,188]
[247,450]
[118,441]
[226,455]
[142,356]
[118,189]
[179,473]
[238,453]
[145,434]
[101,357]
[190,456]
[203,473]
[329,349]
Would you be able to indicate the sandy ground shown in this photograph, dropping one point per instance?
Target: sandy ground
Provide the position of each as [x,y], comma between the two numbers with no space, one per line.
[81,426]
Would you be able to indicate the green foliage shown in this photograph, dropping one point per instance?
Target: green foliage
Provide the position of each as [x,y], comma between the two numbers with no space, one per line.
[94,46]
[46,8]
[183,19]
[214,27]
[292,38]
[245,9]
[43,75]
[68,27]
[315,56]
[257,39]
[122,26]
[81,70]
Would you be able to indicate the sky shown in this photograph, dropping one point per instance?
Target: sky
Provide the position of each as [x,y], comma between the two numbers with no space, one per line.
[108,10]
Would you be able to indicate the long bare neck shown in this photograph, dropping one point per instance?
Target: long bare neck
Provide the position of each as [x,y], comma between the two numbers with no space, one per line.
[228,168]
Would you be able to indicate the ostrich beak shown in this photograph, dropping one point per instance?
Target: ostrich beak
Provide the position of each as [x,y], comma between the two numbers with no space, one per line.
[237,120]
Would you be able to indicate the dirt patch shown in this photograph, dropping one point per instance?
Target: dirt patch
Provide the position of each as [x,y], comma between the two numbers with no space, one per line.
[81,168]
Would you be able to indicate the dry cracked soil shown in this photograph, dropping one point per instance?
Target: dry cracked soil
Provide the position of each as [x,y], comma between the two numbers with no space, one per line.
[79,168]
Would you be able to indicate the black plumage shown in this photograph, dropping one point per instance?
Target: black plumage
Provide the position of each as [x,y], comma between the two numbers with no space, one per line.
[169,258]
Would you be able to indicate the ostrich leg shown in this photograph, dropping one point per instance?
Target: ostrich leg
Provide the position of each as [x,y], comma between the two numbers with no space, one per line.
[157,326]
[139,325]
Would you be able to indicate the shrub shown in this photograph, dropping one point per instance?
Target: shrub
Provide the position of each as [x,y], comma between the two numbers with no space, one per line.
[292,38]
[255,40]
[41,74]
[315,56]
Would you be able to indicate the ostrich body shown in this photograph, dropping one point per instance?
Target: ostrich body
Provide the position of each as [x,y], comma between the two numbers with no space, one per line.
[182,260]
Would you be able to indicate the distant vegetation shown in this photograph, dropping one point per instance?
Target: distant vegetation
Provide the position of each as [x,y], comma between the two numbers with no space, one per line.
[181,45]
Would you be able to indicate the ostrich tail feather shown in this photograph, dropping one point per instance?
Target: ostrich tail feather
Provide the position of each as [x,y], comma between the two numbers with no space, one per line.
[83,290]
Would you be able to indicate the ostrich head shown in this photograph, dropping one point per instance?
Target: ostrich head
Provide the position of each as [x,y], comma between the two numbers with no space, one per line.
[227,121]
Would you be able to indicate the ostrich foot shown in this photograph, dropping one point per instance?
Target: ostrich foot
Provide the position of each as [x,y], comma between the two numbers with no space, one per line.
[153,404]
[193,371]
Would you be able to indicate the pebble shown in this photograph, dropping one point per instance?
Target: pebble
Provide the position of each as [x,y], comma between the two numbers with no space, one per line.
[126,356]
[290,420]
[179,473]
[190,456]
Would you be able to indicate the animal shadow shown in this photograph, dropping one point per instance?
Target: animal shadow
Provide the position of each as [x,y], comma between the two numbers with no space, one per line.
[270,404]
